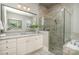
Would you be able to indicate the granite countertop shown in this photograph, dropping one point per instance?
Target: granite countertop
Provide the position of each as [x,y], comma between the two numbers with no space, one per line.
[18,35]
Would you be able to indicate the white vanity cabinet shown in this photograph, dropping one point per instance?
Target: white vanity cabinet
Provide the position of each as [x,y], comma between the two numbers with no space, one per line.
[21,45]
[29,44]
[45,39]
[8,47]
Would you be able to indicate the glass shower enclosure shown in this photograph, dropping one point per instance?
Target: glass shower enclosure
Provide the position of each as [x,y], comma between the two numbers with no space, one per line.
[59,31]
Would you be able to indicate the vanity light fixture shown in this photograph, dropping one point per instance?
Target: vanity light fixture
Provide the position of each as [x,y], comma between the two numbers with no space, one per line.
[19,6]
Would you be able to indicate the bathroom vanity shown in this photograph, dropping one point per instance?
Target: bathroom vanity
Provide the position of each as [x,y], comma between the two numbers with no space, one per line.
[29,40]
[20,44]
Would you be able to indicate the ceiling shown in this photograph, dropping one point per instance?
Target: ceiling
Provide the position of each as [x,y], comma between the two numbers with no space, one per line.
[48,5]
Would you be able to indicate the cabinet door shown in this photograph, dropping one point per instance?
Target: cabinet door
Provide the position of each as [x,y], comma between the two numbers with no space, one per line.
[21,45]
[24,45]
[10,40]
[40,41]
[46,39]
[11,51]
[8,52]
[2,45]
[36,43]
[7,46]
[2,41]
[3,52]
[10,43]
[29,44]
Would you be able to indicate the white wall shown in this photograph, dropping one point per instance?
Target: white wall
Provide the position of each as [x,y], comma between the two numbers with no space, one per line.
[75,18]
[43,11]
[74,9]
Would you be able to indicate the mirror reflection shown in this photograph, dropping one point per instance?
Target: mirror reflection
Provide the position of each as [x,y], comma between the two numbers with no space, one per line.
[17,20]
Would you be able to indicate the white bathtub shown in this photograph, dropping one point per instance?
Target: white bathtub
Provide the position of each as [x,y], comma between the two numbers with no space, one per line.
[71,47]
[73,44]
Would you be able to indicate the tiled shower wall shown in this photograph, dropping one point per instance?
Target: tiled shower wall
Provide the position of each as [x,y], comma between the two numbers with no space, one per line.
[56,33]
[60,26]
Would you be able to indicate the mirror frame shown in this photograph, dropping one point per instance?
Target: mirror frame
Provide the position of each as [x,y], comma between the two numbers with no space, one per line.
[3,17]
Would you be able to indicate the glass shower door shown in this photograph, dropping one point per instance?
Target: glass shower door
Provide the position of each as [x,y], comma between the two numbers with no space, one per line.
[57,33]
[67,26]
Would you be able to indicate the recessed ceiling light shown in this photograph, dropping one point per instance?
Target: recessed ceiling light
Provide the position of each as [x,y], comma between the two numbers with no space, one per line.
[28,9]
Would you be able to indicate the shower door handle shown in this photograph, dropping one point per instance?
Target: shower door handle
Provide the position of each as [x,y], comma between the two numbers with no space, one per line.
[55,25]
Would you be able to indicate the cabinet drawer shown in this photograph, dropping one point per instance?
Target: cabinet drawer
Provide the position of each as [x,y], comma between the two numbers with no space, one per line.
[24,50]
[10,40]
[37,40]
[21,47]
[12,51]
[21,50]
[21,39]
[11,45]
[21,53]
[36,45]
[2,47]
[8,52]
[3,53]
[2,42]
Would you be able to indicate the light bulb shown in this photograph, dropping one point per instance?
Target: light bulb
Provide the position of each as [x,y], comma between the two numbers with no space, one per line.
[28,9]
[24,8]
[19,6]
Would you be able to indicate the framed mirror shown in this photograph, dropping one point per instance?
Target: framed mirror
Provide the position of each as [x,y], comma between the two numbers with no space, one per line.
[17,20]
